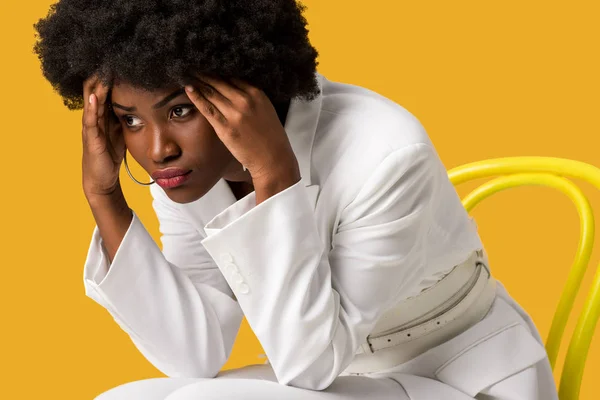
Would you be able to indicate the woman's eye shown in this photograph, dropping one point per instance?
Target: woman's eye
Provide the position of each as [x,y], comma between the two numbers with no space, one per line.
[182,111]
[129,120]
[177,112]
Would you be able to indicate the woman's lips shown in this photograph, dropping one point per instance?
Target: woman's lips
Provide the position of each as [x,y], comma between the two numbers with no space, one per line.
[169,183]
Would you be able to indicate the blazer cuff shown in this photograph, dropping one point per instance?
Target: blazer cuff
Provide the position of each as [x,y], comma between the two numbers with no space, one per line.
[113,279]
[96,264]
[251,244]
[231,214]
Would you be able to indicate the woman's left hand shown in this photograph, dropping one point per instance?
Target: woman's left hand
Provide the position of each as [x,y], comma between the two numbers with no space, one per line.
[246,122]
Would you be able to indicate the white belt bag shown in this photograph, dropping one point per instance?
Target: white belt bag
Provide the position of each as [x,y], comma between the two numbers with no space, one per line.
[456,302]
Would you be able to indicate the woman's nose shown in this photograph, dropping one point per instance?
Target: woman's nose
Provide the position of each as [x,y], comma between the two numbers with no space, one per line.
[163,148]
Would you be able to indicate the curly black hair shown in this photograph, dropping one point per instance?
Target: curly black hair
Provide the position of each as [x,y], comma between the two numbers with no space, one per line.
[154,44]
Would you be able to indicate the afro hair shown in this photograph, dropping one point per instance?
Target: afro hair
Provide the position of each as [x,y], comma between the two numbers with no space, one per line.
[154,44]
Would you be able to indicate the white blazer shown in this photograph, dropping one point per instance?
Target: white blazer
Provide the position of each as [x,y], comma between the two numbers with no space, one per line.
[373,221]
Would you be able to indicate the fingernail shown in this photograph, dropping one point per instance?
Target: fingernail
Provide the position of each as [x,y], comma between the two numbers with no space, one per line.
[90,99]
[189,88]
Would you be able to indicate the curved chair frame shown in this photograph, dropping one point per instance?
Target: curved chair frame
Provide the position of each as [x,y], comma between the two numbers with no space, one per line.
[549,171]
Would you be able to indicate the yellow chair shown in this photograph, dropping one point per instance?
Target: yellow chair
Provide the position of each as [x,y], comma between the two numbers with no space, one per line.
[548,171]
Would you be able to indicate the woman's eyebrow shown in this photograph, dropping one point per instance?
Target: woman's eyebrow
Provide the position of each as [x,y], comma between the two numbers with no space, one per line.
[160,104]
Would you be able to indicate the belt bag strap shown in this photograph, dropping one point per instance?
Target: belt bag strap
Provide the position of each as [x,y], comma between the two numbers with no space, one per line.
[435,319]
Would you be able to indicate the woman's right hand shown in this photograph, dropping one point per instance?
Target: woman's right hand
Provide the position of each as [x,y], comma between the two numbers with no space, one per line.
[103,143]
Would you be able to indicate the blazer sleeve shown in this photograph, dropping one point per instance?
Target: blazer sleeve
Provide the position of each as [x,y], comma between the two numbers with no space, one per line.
[174,304]
[312,306]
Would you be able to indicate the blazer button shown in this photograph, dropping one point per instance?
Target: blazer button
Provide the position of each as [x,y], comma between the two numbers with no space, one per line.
[231,268]
[237,278]
[226,258]
[243,288]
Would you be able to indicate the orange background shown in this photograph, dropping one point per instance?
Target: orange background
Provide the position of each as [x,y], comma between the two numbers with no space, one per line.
[487,79]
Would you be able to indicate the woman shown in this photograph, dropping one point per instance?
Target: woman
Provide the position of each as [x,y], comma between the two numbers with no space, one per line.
[318,210]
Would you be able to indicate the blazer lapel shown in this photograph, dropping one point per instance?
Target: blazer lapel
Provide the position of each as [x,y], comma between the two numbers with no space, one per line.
[300,126]
[313,194]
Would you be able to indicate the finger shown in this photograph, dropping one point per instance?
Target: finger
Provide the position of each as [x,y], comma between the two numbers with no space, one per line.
[251,93]
[222,87]
[104,121]
[206,107]
[112,128]
[231,82]
[223,104]
[118,143]
[242,85]
[115,134]
[238,99]
[88,85]
[101,91]
[90,121]
[89,88]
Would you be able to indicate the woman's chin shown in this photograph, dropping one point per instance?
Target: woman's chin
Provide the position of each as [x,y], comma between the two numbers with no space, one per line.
[183,199]
[187,193]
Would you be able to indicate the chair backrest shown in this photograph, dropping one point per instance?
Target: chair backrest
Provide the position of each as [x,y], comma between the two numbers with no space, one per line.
[549,171]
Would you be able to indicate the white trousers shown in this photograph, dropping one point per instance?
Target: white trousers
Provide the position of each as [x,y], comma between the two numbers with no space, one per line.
[484,368]
[251,383]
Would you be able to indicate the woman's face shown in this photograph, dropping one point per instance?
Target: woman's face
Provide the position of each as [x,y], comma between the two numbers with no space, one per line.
[163,129]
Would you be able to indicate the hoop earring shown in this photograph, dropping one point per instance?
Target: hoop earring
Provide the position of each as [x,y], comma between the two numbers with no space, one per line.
[129,172]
